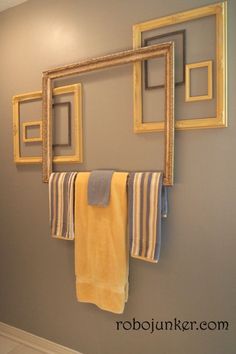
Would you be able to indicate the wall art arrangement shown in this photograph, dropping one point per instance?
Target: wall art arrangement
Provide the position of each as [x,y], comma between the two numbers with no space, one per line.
[199,36]
[179,69]
[166,68]
[27,128]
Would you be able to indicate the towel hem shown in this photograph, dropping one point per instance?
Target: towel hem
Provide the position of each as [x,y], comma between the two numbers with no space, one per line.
[145,259]
[63,238]
[100,306]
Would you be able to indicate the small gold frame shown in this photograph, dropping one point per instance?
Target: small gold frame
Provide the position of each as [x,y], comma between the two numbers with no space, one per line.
[220,12]
[111,60]
[188,67]
[37,95]
[32,124]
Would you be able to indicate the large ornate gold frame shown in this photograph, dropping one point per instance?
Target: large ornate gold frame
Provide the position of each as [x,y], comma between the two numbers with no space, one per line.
[111,60]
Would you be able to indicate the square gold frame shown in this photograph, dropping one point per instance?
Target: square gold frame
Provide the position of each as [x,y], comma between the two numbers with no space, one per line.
[77,157]
[111,60]
[32,124]
[219,10]
[188,67]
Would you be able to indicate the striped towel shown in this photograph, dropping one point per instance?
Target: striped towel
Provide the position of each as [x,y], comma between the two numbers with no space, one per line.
[61,204]
[164,202]
[144,214]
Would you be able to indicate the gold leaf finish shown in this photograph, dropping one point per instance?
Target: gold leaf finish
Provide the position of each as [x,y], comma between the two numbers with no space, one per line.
[111,60]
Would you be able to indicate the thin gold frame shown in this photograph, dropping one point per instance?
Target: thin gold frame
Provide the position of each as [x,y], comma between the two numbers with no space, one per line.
[188,67]
[32,124]
[111,60]
[77,157]
[220,11]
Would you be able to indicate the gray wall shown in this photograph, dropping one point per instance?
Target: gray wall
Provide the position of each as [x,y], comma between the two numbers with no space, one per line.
[195,279]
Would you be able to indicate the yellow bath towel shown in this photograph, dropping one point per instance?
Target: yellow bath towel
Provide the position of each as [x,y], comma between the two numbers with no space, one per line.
[101,246]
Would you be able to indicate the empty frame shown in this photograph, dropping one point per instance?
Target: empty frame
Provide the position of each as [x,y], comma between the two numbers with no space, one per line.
[184,20]
[121,58]
[77,157]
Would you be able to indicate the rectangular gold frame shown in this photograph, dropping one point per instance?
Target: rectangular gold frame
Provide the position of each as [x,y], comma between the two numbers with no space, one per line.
[219,10]
[188,67]
[78,155]
[139,126]
[32,124]
[111,60]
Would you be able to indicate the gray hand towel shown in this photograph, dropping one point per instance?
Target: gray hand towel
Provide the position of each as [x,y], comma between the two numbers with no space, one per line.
[99,185]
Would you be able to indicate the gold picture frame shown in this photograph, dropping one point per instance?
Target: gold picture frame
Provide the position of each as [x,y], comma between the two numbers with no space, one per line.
[219,10]
[188,67]
[111,60]
[139,125]
[77,157]
[32,124]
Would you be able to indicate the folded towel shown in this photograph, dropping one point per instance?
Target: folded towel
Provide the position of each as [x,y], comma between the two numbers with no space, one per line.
[61,204]
[101,246]
[99,185]
[145,209]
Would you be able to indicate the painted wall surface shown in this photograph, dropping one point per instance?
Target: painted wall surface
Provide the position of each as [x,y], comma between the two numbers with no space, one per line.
[195,278]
